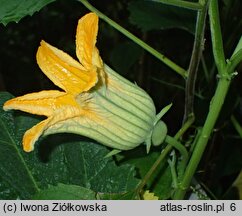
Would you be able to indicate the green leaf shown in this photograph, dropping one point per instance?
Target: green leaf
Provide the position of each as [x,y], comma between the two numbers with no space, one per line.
[7,192]
[13,168]
[118,196]
[47,161]
[65,192]
[150,15]
[14,10]
[160,182]
[89,168]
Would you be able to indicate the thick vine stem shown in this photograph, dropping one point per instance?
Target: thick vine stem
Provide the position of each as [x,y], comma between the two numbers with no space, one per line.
[195,59]
[215,107]
[215,104]
[216,35]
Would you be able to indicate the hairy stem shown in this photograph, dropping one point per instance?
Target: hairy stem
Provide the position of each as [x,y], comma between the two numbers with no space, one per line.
[215,104]
[216,35]
[198,47]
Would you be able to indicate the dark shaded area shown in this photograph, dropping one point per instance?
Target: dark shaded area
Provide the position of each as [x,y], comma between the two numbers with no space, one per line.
[56,23]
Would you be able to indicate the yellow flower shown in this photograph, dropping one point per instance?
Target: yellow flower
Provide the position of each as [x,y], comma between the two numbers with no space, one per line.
[95,102]
[149,196]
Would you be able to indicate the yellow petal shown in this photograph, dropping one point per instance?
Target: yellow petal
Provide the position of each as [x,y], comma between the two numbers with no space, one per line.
[86,35]
[64,71]
[61,116]
[41,103]
[33,134]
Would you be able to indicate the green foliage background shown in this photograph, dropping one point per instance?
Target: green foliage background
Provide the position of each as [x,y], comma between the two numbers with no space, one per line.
[64,164]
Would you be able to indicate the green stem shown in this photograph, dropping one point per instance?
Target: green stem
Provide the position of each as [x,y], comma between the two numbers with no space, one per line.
[215,104]
[177,145]
[184,4]
[195,59]
[236,125]
[217,42]
[185,126]
[163,154]
[172,164]
[235,60]
[138,41]
[195,141]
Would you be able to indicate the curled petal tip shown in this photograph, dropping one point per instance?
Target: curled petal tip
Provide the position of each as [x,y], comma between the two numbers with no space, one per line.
[33,134]
[27,148]
[10,104]
[28,143]
[6,106]
[42,42]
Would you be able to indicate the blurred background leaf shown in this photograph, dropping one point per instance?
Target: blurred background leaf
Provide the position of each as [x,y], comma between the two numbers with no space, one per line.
[124,56]
[14,10]
[150,15]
